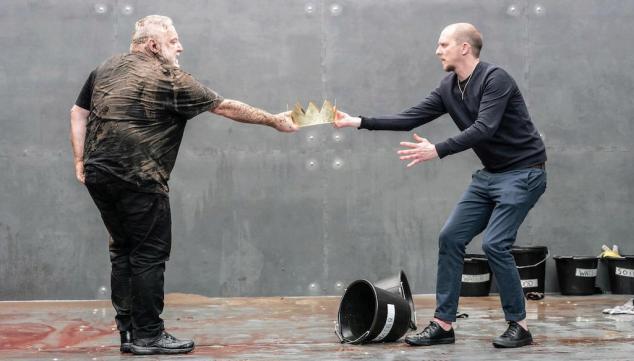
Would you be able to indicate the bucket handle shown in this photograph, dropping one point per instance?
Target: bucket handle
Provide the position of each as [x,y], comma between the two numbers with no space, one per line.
[538,263]
[338,333]
[343,340]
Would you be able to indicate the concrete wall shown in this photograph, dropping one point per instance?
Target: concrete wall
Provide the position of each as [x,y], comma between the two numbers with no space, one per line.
[256,212]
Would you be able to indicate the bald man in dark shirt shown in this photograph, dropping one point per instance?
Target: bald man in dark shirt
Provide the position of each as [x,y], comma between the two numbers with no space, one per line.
[488,108]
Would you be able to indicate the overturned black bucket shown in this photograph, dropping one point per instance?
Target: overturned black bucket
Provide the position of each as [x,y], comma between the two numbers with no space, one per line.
[400,286]
[476,276]
[577,275]
[621,275]
[531,264]
[371,314]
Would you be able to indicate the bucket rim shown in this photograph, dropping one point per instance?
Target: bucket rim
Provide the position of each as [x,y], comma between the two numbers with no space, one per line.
[581,258]
[407,294]
[474,256]
[529,249]
[375,299]
[624,257]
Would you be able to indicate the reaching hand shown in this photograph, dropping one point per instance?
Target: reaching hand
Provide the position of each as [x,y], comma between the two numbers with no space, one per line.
[419,152]
[344,120]
[284,123]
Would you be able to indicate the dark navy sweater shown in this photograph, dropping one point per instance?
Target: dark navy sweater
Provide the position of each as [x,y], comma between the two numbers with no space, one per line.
[492,117]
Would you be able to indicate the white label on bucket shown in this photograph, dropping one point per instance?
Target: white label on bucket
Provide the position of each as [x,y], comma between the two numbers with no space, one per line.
[625,272]
[476,278]
[389,322]
[529,283]
[584,272]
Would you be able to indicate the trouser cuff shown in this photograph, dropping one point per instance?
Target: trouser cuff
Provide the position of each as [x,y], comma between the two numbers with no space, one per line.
[514,316]
[445,317]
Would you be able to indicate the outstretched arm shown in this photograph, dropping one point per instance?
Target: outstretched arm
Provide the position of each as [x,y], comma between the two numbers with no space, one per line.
[78,121]
[244,113]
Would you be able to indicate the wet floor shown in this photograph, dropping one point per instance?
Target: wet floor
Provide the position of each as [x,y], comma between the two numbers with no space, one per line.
[280,328]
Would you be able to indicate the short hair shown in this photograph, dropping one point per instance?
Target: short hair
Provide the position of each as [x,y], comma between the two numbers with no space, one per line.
[150,26]
[467,33]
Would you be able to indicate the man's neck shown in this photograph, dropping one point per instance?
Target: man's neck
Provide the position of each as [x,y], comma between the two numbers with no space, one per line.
[465,70]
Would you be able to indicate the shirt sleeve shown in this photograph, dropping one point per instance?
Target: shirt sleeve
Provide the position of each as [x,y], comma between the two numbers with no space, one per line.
[85,95]
[191,97]
[429,109]
[498,89]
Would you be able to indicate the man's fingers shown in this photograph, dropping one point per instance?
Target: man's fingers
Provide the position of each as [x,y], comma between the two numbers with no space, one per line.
[418,138]
[407,151]
[407,157]
[409,144]
[413,163]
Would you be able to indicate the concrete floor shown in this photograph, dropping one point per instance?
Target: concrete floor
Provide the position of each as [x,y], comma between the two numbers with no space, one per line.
[279,328]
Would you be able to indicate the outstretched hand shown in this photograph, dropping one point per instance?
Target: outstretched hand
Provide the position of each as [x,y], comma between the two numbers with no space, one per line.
[345,120]
[284,123]
[419,152]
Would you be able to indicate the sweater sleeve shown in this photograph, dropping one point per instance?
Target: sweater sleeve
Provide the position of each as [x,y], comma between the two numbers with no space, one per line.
[498,89]
[429,109]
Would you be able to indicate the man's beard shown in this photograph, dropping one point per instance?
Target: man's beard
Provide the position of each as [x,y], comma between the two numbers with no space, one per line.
[160,56]
[164,59]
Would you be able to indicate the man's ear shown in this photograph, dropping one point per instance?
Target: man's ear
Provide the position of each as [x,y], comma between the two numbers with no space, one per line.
[154,46]
[465,48]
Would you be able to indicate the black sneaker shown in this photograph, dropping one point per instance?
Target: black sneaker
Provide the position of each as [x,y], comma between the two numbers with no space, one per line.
[514,336]
[163,344]
[126,341]
[431,335]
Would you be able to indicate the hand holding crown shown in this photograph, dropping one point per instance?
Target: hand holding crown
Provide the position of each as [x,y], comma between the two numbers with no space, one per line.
[345,120]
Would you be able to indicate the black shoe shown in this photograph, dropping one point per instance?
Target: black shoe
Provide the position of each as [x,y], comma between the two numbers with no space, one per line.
[163,344]
[431,335]
[126,341]
[514,336]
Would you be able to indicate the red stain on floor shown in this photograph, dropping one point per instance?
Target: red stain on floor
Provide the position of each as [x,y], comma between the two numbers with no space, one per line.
[78,332]
[19,335]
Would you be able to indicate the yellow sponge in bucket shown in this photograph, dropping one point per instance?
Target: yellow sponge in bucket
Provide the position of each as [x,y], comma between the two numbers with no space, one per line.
[610,253]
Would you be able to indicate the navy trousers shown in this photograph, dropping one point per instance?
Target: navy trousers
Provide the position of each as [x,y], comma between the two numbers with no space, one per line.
[497,204]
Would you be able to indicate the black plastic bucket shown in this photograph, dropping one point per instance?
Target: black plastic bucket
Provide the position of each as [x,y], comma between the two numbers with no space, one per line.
[371,314]
[476,276]
[531,264]
[621,275]
[400,286]
[577,275]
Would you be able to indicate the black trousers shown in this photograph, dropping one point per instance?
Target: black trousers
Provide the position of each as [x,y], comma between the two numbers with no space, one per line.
[139,224]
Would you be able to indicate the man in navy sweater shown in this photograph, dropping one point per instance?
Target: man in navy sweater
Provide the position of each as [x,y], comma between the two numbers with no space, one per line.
[488,108]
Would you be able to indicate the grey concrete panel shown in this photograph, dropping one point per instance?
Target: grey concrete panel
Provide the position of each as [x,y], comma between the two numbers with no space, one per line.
[257,212]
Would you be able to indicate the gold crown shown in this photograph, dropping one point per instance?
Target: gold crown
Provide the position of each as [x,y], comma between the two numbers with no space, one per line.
[313,116]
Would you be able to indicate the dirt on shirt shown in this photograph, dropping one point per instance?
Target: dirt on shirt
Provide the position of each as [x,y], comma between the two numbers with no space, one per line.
[138,111]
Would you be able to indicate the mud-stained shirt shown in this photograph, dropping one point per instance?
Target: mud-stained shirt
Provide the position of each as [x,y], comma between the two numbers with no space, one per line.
[138,111]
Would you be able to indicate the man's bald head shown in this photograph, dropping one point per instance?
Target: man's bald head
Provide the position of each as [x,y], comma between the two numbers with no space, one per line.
[465,33]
